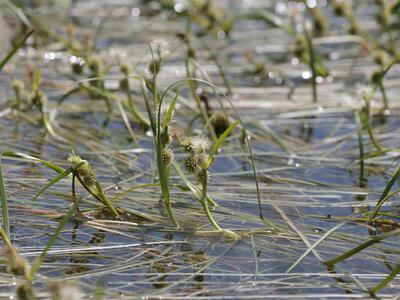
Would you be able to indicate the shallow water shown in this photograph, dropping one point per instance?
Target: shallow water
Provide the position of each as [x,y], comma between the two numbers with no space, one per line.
[307,187]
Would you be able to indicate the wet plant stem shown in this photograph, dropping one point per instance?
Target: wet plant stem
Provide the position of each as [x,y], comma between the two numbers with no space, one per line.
[203,113]
[360,146]
[4,205]
[312,61]
[206,208]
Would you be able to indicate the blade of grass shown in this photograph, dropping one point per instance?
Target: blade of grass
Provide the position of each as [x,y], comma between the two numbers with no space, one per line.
[374,240]
[4,204]
[389,186]
[52,182]
[47,163]
[19,44]
[307,33]
[39,260]
[386,281]
[360,146]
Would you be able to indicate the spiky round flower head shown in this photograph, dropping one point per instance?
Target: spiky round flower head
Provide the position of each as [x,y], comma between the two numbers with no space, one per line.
[188,145]
[126,69]
[201,159]
[203,176]
[17,86]
[201,144]
[175,134]
[354,27]
[154,66]
[376,76]
[16,264]
[26,292]
[380,57]
[38,99]
[167,155]
[95,64]
[191,164]
[220,123]
[340,8]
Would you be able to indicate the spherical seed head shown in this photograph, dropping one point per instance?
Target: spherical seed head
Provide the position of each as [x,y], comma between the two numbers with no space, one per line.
[39,99]
[379,57]
[175,134]
[154,66]
[201,144]
[376,76]
[17,86]
[354,28]
[203,176]
[167,155]
[16,264]
[340,8]
[201,159]
[94,64]
[188,145]
[220,123]
[191,164]
[26,292]
[126,69]
[77,68]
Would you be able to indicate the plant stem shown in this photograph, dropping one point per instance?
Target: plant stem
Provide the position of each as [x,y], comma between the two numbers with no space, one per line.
[4,206]
[311,62]
[360,146]
[204,203]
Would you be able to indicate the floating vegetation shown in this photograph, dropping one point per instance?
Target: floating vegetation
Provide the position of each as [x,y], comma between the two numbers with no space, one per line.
[199,149]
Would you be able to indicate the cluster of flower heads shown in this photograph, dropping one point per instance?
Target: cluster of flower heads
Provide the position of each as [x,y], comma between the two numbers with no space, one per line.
[197,158]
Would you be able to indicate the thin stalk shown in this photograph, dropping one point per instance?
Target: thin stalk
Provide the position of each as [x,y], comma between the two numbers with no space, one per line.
[19,44]
[386,281]
[135,112]
[4,205]
[360,146]
[374,240]
[384,97]
[39,260]
[384,195]
[204,203]
[311,62]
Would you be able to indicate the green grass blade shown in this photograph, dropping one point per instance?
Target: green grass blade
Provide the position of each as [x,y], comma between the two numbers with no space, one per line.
[39,260]
[47,163]
[389,186]
[19,44]
[168,116]
[386,281]
[4,206]
[219,141]
[52,182]
[312,62]
[355,250]
[360,146]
